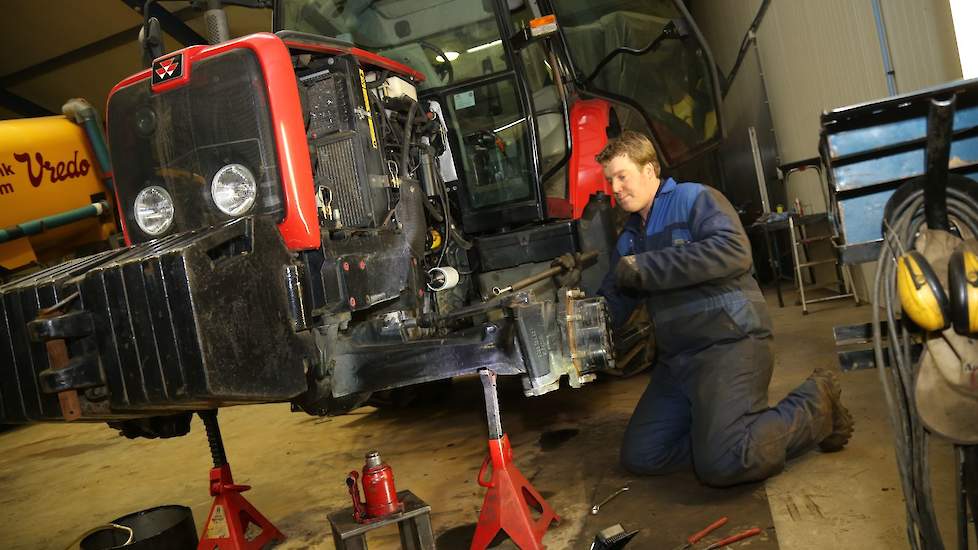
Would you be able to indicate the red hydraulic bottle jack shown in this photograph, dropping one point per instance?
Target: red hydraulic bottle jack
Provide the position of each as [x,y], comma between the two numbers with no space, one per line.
[508,502]
[231,514]
[379,494]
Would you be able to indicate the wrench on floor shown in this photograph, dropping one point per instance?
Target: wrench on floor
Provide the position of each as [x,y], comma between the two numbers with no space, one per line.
[596,507]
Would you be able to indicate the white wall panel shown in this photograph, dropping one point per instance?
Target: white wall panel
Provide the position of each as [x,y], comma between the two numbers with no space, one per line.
[822,54]
[922,42]
[818,55]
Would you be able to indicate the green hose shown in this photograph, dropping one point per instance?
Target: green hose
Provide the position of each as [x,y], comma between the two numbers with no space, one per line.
[84,114]
[40,225]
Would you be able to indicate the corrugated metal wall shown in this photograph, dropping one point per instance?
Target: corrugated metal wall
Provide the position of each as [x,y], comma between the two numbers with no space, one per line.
[819,55]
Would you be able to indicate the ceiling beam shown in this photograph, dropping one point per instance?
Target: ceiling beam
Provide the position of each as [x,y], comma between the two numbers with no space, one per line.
[21,106]
[83,53]
[170,23]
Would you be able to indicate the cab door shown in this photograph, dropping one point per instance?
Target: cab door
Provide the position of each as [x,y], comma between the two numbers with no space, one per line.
[648,57]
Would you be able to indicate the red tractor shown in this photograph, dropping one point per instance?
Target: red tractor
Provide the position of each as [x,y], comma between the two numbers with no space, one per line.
[314,221]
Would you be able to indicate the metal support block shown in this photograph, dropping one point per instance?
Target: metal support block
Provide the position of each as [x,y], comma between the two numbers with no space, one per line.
[414,525]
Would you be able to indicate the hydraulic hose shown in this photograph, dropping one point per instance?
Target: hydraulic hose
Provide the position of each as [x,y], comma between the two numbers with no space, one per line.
[406,142]
[905,216]
[41,225]
[83,113]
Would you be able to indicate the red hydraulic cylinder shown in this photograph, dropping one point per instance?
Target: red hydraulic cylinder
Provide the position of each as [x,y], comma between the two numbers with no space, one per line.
[379,493]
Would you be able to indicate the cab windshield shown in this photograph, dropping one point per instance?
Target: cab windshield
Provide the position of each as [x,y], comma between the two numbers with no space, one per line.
[449,41]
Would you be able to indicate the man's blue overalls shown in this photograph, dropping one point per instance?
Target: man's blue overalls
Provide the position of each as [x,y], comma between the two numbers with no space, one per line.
[707,400]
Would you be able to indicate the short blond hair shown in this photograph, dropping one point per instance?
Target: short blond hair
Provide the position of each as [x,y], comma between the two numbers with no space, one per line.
[637,147]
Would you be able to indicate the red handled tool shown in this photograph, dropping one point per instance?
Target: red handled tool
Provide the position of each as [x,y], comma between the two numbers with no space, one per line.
[734,538]
[694,538]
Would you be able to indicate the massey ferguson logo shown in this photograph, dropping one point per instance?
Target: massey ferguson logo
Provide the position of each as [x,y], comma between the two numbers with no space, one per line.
[167,69]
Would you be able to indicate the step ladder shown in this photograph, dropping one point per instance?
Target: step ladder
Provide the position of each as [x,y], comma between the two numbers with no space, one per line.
[804,256]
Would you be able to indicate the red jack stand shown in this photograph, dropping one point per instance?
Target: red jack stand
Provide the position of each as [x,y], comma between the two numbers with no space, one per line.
[231,514]
[511,499]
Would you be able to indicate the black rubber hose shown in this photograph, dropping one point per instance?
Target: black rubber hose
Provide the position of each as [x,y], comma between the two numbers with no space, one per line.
[406,142]
[432,211]
[379,81]
[940,133]
[385,120]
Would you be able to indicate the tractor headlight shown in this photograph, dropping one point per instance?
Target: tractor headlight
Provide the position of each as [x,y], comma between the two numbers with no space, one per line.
[234,189]
[154,210]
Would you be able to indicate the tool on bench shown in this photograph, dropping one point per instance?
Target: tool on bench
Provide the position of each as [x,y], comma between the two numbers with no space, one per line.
[596,507]
[698,536]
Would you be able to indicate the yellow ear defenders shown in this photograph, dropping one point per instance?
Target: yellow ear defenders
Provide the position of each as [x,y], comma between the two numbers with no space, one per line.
[921,293]
[924,300]
[963,287]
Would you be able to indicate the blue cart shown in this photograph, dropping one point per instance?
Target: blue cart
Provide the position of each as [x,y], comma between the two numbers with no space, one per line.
[872,148]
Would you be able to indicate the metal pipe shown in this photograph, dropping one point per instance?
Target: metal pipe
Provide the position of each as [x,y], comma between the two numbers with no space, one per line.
[884,48]
[83,113]
[710,60]
[940,130]
[488,378]
[40,225]
[532,279]
[971,478]
[755,150]
[744,44]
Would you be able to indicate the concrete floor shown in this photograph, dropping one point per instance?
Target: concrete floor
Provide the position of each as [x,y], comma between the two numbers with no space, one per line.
[56,481]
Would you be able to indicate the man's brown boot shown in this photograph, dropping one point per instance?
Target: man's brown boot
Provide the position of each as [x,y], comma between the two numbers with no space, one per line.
[842,423]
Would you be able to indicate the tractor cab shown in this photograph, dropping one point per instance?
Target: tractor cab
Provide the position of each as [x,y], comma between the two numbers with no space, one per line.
[529,90]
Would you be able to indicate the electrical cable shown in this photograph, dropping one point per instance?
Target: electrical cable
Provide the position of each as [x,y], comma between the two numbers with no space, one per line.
[904,218]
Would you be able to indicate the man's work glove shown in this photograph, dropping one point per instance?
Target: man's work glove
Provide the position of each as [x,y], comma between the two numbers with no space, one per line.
[627,274]
[571,276]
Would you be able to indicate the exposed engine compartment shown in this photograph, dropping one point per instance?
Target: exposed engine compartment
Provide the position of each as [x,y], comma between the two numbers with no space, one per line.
[224,309]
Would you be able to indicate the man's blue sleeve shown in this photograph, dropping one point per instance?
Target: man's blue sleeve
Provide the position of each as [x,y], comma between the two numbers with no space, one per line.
[719,249]
[621,301]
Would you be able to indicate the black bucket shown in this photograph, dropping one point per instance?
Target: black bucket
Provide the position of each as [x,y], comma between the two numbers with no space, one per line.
[161,528]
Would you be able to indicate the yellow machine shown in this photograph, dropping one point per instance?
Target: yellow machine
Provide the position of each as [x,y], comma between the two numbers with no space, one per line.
[53,199]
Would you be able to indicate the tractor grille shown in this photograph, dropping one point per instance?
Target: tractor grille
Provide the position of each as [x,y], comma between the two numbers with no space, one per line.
[179,139]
